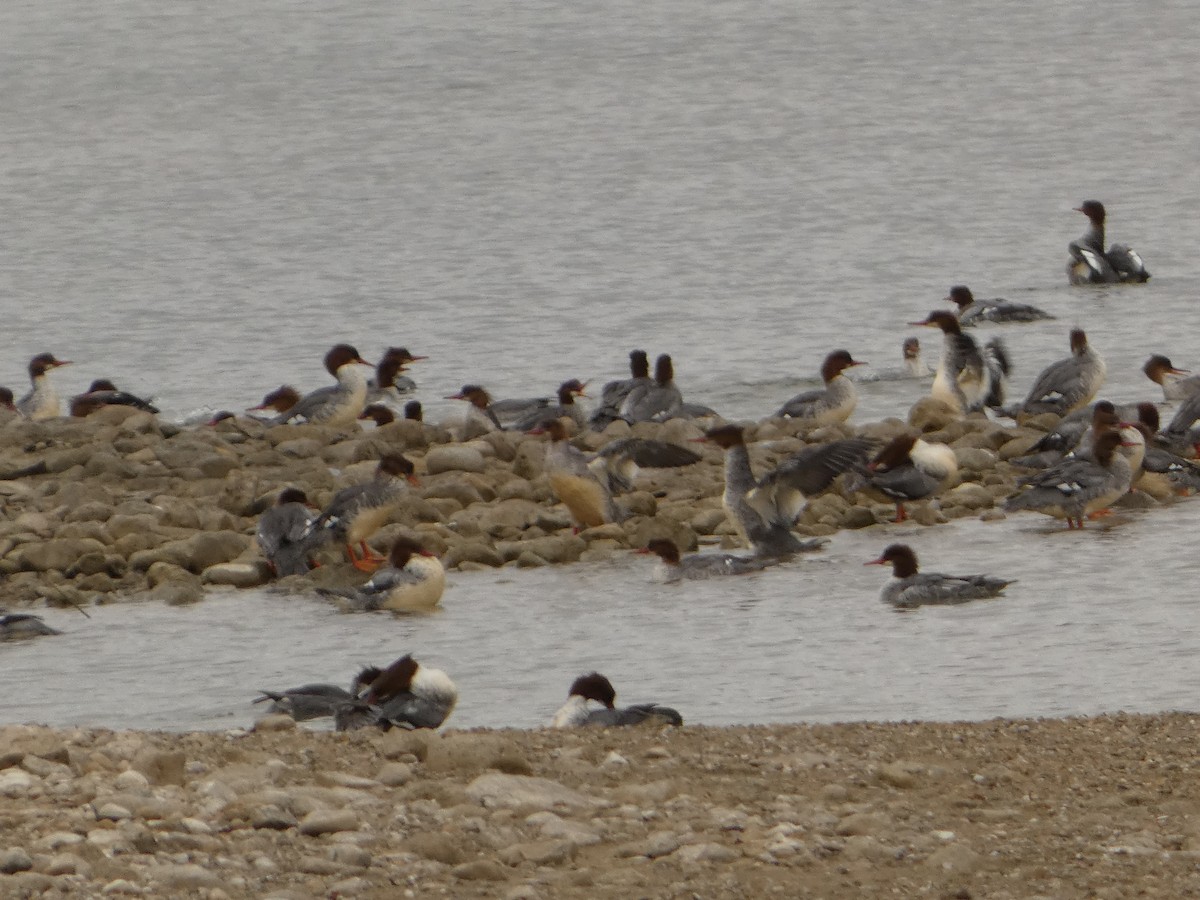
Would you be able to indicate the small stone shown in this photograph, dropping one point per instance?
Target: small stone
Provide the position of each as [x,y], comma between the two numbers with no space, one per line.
[277,722]
[13,860]
[394,774]
[327,821]
[497,790]
[705,852]
[349,887]
[17,783]
[67,864]
[273,818]
[160,766]
[121,886]
[113,811]
[133,782]
[480,870]
[898,775]
[350,855]
[186,875]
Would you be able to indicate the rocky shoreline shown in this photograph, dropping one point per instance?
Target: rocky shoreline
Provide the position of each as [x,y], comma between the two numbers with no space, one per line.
[1094,807]
[122,505]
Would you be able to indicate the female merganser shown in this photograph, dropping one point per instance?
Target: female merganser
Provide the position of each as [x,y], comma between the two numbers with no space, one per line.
[413,581]
[103,392]
[1075,488]
[6,399]
[42,401]
[358,511]
[413,411]
[565,408]
[337,404]
[1089,263]
[1066,385]
[283,533]
[404,695]
[1182,434]
[22,626]
[909,469]
[377,413]
[912,589]
[586,497]
[282,399]
[595,688]
[618,461]
[1174,386]
[390,383]
[914,365]
[701,565]
[764,509]
[480,418]
[316,701]
[658,401]
[834,403]
[967,378]
[1076,431]
[972,312]
[613,395]
[1181,473]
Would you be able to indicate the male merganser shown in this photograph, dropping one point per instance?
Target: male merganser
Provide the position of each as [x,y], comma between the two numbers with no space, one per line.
[595,688]
[42,400]
[764,509]
[1174,386]
[404,695]
[103,392]
[337,404]
[413,581]
[674,568]
[586,497]
[1089,263]
[480,418]
[22,626]
[914,365]
[358,511]
[972,312]
[967,378]
[284,533]
[619,461]
[377,413]
[316,701]
[909,469]
[832,404]
[390,383]
[1066,385]
[1075,488]
[1078,430]
[613,394]
[912,589]
[658,401]
[413,411]
[565,408]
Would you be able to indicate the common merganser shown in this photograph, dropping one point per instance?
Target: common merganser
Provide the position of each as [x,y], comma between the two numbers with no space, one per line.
[1066,385]
[764,509]
[618,461]
[316,701]
[658,401]
[358,511]
[22,626]
[832,404]
[1075,488]
[1174,386]
[909,469]
[42,400]
[1078,430]
[565,408]
[413,581]
[6,399]
[912,588]
[914,365]
[1181,473]
[338,404]
[413,411]
[613,394]
[284,532]
[586,497]
[674,567]
[595,688]
[480,418]
[377,413]
[282,399]
[103,392]
[404,695]
[971,311]
[967,378]
[390,383]
[1182,430]
[1089,264]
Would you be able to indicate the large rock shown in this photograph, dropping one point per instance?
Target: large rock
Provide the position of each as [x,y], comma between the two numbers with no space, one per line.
[453,459]
[44,556]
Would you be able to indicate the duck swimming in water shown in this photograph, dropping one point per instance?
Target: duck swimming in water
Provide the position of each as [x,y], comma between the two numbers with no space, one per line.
[973,312]
[702,565]
[23,626]
[1091,264]
[912,588]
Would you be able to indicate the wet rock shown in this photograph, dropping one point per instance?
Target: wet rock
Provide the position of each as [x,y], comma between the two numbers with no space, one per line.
[970,496]
[327,821]
[272,818]
[552,548]
[160,766]
[238,574]
[929,415]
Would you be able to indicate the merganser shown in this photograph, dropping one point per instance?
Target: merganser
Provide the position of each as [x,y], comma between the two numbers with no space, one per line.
[619,461]
[284,533]
[967,378]
[377,413]
[912,589]
[764,509]
[613,394]
[357,512]
[404,695]
[390,382]
[1183,474]
[909,469]
[413,581]
[914,365]
[1066,385]
[595,688]
[413,411]
[316,701]
[1089,263]
[972,312]
[103,392]
[1181,430]
[586,497]
[658,401]
[565,408]
[674,568]
[480,418]
[337,404]
[832,404]
[282,399]
[1075,488]
[1076,430]
[6,399]
[42,400]
[1174,386]
[22,626]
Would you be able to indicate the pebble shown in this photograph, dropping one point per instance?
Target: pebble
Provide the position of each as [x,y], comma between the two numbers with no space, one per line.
[327,821]
[13,860]
[499,790]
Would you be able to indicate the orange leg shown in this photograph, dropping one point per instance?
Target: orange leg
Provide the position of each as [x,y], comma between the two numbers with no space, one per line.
[1098,514]
[901,515]
[368,562]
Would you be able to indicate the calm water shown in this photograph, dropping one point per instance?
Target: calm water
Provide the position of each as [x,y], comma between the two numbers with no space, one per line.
[200,199]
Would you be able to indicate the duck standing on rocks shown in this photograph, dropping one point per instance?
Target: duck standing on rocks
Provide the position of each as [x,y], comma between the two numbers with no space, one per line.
[585,495]
[316,701]
[967,378]
[404,695]
[390,383]
[702,565]
[832,404]
[1077,430]
[42,401]
[283,532]
[908,469]
[358,511]
[912,588]
[103,392]
[765,509]
[1066,385]
[658,401]
[1176,384]
[480,418]
[613,394]
[412,581]
[1075,488]
[595,688]
[23,626]
[337,404]
[972,312]
[539,416]
[1090,264]
[282,399]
